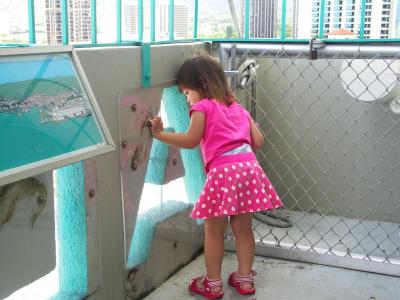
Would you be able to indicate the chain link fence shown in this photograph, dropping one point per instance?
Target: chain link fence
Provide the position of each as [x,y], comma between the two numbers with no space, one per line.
[332,151]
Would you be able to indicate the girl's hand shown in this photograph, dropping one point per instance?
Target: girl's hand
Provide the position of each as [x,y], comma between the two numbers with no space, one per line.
[156,126]
[187,140]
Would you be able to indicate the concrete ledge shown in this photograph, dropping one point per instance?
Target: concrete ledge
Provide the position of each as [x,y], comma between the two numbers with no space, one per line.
[176,241]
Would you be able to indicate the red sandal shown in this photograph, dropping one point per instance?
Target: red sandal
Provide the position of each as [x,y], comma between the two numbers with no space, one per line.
[208,285]
[236,281]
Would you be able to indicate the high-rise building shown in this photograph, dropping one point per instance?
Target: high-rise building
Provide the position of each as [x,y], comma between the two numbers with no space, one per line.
[163,32]
[263,18]
[181,26]
[53,21]
[397,30]
[301,16]
[337,14]
[79,21]
[129,18]
[346,14]
[394,27]
[295,17]
[377,18]
[181,21]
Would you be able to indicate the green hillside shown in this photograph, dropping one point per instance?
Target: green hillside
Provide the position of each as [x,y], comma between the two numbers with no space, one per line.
[47,86]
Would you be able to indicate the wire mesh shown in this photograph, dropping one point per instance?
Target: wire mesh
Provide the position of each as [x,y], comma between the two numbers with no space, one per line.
[332,152]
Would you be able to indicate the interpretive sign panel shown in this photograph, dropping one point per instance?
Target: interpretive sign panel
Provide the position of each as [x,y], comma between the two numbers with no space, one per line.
[48,114]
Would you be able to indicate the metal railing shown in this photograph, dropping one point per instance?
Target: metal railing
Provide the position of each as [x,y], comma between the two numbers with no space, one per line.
[323,7]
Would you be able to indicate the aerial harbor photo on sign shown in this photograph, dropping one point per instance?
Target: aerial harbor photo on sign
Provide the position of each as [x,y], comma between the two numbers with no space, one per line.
[44,109]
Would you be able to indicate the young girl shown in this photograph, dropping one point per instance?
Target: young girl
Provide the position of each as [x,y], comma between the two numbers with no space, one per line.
[236,186]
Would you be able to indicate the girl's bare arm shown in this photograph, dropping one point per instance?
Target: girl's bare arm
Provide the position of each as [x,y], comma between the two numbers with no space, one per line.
[189,139]
[257,139]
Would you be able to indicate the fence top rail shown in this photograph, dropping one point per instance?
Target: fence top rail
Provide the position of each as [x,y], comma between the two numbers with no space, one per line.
[266,49]
[322,50]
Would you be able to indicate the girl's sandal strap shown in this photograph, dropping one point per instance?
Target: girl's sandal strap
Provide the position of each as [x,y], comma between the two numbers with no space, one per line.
[246,278]
[237,280]
[211,283]
[208,286]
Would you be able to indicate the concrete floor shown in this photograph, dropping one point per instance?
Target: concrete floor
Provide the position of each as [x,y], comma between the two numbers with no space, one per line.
[280,279]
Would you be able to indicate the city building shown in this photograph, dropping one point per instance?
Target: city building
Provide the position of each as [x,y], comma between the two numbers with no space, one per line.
[295,18]
[337,14]
[394,27]
[377,18]
[263,18]
[301,15]
[181,21]
[79,21]
[181,26]
[347,14]
[129,19]
[53,22]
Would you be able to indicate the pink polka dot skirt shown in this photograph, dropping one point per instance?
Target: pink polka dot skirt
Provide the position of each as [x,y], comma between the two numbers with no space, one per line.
[234,189]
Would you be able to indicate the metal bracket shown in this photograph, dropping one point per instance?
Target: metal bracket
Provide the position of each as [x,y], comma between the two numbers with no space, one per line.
[315,44]
[146,65]
[231,73]
[135,158]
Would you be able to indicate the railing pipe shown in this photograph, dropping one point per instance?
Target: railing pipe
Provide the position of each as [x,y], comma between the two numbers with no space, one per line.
[31,17]
[93,21]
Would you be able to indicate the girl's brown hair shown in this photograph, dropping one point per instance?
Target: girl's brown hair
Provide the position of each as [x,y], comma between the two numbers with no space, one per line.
[205,75]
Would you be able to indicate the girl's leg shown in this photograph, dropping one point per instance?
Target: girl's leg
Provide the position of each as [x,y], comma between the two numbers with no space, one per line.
[213,249]
[244,239]
[214,245]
